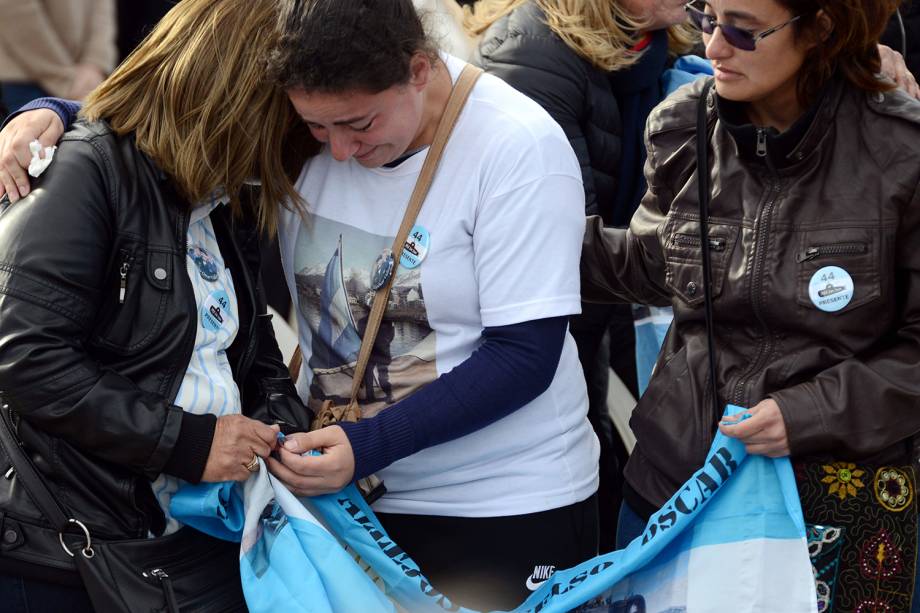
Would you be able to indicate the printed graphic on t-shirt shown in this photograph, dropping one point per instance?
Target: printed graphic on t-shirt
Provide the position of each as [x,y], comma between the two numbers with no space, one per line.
[334,263]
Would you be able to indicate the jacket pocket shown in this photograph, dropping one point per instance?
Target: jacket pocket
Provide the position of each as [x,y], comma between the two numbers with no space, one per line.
[135,300]
[684,258]
[855,250]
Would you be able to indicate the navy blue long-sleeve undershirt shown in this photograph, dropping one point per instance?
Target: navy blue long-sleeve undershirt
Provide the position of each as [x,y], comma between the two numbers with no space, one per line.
[514,365]
[66,109]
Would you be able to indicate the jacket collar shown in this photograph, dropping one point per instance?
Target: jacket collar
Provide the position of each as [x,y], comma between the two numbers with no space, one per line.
[787,148]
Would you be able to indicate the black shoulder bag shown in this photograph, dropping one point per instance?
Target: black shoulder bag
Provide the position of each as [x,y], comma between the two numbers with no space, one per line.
[185,571]
[861,517]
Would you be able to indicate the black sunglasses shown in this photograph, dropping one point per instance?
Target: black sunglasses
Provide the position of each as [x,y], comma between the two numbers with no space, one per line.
[736,37]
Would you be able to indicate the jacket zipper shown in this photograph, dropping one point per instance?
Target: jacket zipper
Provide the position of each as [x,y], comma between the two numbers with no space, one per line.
[127,262]
[8,475]
[762,142]
[818,251]
[688,240]
[763,231]
[162,576]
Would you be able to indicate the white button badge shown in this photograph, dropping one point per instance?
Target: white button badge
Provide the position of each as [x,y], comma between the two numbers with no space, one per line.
[831,289]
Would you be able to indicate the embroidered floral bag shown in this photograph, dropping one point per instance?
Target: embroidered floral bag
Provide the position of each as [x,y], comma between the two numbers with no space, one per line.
[862,533]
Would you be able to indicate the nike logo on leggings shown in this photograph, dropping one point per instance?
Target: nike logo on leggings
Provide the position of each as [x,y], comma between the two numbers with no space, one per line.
[539,576]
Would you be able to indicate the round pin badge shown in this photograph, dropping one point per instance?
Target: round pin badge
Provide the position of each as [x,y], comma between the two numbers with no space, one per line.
[383,268]
[416,248]
[207,265]
[831,289]
[215,311]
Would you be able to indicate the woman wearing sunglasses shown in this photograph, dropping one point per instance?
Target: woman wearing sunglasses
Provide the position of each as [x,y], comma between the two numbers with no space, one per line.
[814,221]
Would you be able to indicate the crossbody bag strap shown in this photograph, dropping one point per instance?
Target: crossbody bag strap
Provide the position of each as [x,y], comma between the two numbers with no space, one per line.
[458,96]
[702,179]
[27,475]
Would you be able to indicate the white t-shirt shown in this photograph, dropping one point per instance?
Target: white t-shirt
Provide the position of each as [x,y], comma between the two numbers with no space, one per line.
[504,222]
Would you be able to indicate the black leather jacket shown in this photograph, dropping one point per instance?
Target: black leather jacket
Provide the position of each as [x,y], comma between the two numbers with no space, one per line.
[91,378]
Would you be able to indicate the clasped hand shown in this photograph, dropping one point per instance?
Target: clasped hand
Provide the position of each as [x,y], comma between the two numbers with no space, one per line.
[237,440]
[764,433]
[313,475]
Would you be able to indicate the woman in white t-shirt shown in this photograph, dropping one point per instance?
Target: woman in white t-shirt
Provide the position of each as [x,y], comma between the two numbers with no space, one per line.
[474,403]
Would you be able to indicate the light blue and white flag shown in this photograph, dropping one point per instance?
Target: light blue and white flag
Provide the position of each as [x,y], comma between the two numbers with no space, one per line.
[731,539]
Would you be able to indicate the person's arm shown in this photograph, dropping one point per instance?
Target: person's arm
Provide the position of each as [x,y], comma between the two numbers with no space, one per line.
[32,42]
[54,254]
[43,120]
[628,266]
[553,76]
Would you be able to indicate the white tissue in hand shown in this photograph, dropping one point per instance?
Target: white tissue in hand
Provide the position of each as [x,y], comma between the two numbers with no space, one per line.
[38,165]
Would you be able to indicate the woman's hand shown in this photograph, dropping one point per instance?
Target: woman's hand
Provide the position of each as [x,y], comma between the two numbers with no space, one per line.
[41,124]
[764,433]
[895,68]
[309,475]
[237,440]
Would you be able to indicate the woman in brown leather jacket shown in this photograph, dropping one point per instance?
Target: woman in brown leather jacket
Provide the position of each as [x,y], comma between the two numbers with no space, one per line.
[814,226]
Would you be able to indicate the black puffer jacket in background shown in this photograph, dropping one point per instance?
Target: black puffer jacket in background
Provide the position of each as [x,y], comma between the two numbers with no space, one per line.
[521,49]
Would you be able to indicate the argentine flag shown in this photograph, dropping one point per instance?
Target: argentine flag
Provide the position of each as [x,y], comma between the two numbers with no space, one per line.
[732,539]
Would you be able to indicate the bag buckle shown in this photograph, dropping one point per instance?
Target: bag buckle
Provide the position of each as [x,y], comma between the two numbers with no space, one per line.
[87,550]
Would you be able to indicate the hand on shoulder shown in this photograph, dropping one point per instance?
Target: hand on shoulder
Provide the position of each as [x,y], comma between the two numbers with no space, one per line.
[42,125]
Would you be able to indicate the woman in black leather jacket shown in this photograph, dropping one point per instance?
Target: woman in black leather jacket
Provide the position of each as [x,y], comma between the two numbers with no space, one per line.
[135,351]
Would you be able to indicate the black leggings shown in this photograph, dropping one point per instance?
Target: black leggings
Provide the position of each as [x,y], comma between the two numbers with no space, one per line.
[489,563]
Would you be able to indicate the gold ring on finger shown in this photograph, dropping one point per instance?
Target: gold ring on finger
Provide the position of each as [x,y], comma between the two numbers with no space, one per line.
[253,465]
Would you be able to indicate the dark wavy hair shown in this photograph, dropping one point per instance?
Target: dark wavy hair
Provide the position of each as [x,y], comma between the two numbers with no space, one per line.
[333,46]
[850,48]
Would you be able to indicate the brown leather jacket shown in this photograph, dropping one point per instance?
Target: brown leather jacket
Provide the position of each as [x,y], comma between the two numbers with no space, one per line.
[846,195]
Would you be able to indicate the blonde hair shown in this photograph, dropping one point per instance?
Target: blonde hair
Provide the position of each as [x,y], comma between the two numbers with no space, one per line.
[196,96]
[600,31]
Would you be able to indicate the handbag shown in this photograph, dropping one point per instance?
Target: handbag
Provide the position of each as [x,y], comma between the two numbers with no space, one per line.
[330,413]
[184,571]
[861,517]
